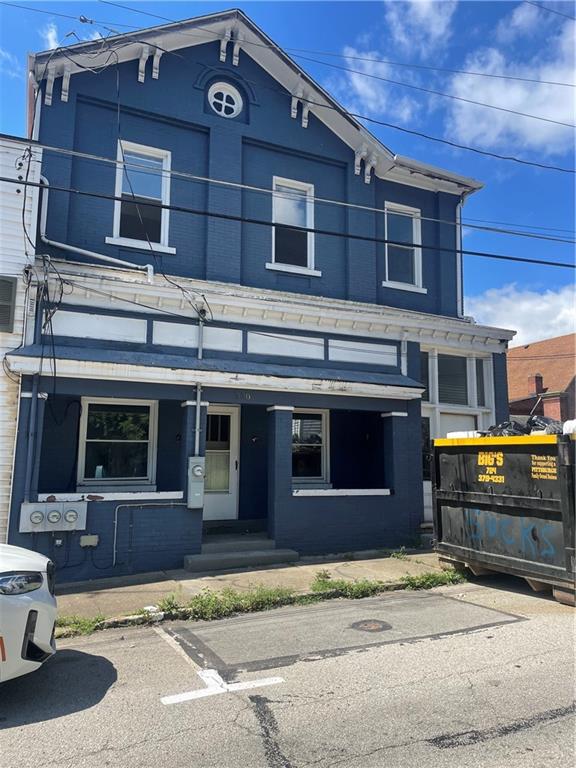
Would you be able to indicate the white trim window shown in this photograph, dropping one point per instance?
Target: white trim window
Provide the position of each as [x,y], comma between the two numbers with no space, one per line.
[143,184]
[292,206]
[117,443]
[310,447]
[225,100]
[403,258]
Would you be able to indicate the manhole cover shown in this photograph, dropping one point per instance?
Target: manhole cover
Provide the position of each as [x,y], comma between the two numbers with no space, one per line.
[371,625]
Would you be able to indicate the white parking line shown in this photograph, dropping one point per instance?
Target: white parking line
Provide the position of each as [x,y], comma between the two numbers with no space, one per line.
[214,683]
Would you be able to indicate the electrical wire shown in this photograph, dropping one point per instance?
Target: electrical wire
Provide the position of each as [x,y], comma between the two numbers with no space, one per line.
[550,10]
[372,60]
[420,134]
[307,230]
[275,193]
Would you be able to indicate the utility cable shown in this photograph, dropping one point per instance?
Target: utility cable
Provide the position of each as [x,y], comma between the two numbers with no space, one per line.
[307,230]
[275,194]
[392,126]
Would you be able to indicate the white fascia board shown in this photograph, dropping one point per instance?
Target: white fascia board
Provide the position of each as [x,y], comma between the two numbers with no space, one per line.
[279,309]
[87,369]
[268,55]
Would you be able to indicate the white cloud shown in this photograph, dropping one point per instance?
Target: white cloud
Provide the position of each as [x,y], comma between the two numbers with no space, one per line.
[49,35]
[523,21]
[493,129]
[363,94]
[534,315]
[420,26]
[10,66]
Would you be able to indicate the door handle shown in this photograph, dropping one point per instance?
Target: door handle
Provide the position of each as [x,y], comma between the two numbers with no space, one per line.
[236,465]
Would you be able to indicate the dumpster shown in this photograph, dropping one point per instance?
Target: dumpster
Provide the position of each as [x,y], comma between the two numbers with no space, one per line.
[507,504]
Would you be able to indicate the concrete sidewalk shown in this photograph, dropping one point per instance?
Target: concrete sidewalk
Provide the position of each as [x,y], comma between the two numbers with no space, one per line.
[126,595]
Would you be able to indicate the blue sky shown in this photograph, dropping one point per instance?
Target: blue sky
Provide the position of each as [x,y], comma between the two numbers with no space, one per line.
[512,38]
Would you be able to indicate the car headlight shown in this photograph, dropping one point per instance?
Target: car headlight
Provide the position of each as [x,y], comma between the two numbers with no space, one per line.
[19,582]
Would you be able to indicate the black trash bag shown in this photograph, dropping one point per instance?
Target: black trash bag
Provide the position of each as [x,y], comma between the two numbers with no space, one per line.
[539,423]
[508,429]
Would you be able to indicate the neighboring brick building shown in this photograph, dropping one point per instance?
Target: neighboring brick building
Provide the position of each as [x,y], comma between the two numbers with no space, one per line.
[542,374]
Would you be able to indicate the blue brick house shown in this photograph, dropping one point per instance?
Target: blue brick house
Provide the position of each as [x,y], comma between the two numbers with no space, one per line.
[253,312]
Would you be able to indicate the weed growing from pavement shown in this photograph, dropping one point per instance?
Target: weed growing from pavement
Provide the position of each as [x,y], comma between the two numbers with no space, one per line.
[400,554]
[209,605]
[77,625]
[433,579]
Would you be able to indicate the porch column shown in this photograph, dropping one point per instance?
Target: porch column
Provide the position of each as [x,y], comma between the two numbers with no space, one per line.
[279,462]
[402,438]
[189,438]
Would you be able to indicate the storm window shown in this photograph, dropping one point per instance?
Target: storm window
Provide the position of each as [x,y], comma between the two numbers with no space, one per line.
[403,253]
[142,188]
[292,206]
[310,446]
[117,443]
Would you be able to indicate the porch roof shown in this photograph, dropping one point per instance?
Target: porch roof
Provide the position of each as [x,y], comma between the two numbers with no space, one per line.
[35,359]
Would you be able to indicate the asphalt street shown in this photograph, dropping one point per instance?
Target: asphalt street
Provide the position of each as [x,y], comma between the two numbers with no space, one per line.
[472,675]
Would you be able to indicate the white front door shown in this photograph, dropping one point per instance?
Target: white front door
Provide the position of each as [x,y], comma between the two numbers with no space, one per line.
[222,454]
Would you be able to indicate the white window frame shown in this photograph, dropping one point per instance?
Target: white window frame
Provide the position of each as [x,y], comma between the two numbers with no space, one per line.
[300,186]
[433,407]
[157,154]
[415,214]
[230,90]
[322,481]
[113,483]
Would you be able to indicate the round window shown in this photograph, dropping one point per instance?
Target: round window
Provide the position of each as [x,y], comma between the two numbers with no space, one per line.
[225,100]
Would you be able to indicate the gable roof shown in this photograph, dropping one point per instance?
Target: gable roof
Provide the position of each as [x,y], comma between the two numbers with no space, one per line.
[554,359]
[236,31]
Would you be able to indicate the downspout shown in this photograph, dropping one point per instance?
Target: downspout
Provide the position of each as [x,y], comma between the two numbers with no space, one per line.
[148,268]
[201,318]
[459,270]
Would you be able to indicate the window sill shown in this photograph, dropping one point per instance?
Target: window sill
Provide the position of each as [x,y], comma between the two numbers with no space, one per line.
[139,245]
[294,270]
[404,287]
[86,494]
[341,492]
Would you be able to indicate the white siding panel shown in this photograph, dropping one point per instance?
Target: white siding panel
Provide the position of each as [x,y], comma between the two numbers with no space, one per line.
[13,259]
[361,352]
[80,325]
[286,345]
[180,335]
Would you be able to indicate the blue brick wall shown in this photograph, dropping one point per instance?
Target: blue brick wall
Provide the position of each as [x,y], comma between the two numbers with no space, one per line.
[171,113]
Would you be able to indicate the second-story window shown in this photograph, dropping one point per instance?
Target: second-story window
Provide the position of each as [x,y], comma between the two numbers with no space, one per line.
[143,184]
[292,206]
[403,256]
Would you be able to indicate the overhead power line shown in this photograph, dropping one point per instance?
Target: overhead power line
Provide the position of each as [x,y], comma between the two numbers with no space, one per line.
[420,134]
[270,224]
[274,193]
[543,7]
[348,57]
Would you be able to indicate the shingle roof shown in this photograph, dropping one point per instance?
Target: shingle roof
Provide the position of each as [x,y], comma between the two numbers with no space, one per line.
[554,359]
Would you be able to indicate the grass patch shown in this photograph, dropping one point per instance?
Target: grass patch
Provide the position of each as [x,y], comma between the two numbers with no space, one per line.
[399,554]
[433,579]
[77,625]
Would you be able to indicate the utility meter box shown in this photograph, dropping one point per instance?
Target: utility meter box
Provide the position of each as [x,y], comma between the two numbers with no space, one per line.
[43,516]
[196,477]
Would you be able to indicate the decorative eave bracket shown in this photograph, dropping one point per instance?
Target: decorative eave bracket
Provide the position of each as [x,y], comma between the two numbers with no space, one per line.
[370,161]
[142,63]
[299,97]
[235,36]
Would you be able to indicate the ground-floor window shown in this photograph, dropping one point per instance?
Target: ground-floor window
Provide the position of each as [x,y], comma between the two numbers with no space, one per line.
[117,442]
[310,444]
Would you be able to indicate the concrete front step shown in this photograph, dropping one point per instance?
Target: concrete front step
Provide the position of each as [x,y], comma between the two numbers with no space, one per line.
[236,543]
[223,561]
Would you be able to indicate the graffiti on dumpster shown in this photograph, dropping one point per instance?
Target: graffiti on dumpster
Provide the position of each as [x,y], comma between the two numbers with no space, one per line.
[529,537]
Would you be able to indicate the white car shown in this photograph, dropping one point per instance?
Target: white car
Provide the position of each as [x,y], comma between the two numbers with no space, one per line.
[27,611]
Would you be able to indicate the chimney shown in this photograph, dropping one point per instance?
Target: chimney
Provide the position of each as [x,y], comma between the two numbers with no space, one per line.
[535,384]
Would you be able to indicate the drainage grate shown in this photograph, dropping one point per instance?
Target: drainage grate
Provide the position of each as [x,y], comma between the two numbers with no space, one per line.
[371,625]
